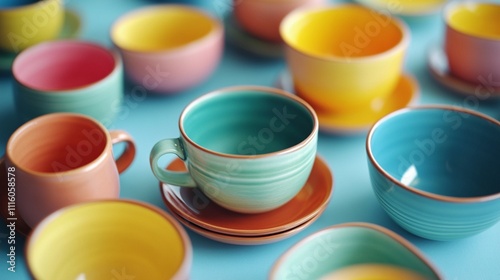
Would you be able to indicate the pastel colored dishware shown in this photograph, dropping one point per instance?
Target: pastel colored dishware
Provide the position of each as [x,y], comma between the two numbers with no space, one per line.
[249,149]
[472,41]
[168,48]
[62,159]
[407,8]
[28,23]
[360,60]
[68,76]
[439,179]
[353,249]
[262,18]
[361,119]
[111,239]
[192,205]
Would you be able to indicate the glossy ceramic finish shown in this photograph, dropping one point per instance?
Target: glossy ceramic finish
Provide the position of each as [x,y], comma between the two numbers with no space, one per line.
[71,29]
[237,36]
[100,240]
[361,119]
[159,59]
[250,149]
[30,24]
[439,179]
[345,245]
[343,70]
[245,240]
[269,13]
[63,159]
[482,89]
[473,27]
[71,76]
[410,8]
[193,206]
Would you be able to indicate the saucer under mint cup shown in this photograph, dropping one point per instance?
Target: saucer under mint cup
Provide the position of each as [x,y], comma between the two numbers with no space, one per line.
[435,170]
[249,149]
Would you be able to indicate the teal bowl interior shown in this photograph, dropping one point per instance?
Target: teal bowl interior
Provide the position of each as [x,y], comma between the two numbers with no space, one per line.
[247,122]
[347,245]
[440,151]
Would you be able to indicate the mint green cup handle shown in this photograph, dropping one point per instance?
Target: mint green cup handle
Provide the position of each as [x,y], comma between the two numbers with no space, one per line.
[170,146]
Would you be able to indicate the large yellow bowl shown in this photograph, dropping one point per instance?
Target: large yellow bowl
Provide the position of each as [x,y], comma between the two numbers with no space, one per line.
[344,56]
[110,239]
[27,25]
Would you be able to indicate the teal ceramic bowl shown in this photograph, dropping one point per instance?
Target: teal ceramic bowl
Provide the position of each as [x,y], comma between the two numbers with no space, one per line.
[68,76]
[353,251]
[435,170]
[249,149]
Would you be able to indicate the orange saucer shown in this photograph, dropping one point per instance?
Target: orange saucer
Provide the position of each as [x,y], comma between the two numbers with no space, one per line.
[360,120]
[193,206]
[243,240]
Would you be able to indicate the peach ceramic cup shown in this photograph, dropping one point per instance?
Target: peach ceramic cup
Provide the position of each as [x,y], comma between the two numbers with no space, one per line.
[168,48]
[28,23]
[262,18]
[61,159]
[111,239]
[472,41]
[344,56]
[68,76]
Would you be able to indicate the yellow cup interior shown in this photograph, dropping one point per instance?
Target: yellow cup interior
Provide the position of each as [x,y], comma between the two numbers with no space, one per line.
[162,28]
[105,240]
[341,31]
[476,19]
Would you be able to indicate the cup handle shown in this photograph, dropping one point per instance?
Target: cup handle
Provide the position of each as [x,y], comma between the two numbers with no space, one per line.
[170,146]
[126,158]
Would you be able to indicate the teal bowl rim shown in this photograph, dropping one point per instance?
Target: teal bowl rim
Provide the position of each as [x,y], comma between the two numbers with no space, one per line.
[263,89]
[442,198]
[394,236]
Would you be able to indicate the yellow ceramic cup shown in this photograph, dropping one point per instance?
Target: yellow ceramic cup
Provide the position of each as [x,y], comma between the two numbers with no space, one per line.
[27,25]
[472,41]
[344,56]
[112,239]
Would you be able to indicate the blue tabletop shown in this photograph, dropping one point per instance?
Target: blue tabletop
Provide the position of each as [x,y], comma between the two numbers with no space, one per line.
[151,118]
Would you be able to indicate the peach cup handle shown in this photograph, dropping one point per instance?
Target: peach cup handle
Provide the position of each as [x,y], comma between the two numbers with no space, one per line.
[126,158]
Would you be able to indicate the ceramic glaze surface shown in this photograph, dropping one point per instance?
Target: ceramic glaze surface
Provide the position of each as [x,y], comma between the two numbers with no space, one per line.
[406,7]
[70,76]
[168,48]
[62,159]
[440,178]
[101,240]
[342,246]
[342,71]
[20,28]
[249,149]
[473,27]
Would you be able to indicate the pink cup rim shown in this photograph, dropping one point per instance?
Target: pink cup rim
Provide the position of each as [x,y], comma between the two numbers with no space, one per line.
[400,24]
[214,34]
[182,271]
[453,5]
[50,118]
[17,69]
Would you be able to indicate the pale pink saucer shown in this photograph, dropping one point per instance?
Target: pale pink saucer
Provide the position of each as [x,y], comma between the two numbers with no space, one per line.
[193,206]
[438,67]
[244,240]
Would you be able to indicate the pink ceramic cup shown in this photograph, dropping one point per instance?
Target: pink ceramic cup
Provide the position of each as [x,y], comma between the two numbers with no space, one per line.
[472,41]
[168,48]
[262,18]
[61,159]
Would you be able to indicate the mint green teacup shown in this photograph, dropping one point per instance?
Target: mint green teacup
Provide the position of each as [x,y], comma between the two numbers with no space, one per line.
[249,149]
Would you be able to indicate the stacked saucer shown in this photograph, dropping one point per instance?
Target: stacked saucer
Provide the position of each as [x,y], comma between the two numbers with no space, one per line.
[195,211]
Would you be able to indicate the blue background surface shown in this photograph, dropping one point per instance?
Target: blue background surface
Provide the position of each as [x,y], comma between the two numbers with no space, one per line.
[151,118]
